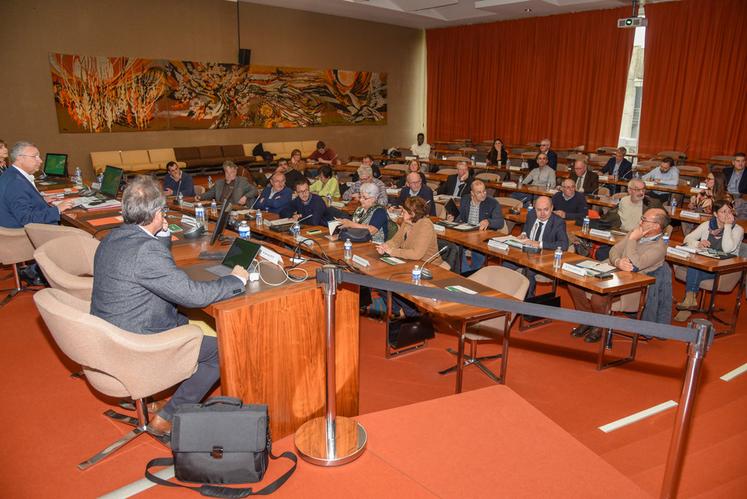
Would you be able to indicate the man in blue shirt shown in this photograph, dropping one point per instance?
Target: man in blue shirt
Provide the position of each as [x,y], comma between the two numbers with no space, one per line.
[665,174]
[276,197]
[177,181]
[308,207]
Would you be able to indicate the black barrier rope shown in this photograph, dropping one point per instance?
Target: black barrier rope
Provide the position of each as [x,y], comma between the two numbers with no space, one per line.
[654,329]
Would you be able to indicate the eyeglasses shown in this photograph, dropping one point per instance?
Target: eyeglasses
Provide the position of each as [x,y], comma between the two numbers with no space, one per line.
[644,219]
[636,189]
[37,156]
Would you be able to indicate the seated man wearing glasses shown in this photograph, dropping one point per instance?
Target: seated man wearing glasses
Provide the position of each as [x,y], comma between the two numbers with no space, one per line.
[415,188]
[633,205]
[642,250]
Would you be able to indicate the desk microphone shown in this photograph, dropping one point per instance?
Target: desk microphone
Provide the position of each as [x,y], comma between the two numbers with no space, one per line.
[304,218]
[426,274]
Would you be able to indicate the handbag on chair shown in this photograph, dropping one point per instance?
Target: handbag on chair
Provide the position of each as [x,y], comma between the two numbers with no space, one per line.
[221,441]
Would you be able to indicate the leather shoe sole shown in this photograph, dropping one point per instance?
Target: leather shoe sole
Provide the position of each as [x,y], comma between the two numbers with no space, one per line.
[594,335]
[580,331]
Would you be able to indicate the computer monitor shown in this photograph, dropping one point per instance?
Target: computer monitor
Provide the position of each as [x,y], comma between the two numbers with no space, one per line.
[220,225]
[110,183]
[55,164]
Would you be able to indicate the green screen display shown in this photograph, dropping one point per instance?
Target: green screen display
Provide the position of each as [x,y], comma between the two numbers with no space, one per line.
[110,183]
[55,164]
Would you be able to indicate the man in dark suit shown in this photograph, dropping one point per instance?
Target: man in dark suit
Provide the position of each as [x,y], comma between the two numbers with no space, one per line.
[545,230]
[276,197]
[736,180]
[237,189]
[586,181]
[552,157]
[569,204]
[307,206]
[137,286]
[619,167]
[476,208]
[457,184]
[415,187]
[20,201]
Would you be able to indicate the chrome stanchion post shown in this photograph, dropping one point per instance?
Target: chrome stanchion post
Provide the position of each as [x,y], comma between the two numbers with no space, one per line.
[675,457]
[330,440]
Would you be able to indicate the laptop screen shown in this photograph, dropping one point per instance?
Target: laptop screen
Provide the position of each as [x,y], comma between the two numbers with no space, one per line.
[111,181]
[241,252]
[55,164]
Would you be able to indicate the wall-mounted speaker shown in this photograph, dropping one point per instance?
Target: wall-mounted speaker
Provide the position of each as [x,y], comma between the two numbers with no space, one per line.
[245,57]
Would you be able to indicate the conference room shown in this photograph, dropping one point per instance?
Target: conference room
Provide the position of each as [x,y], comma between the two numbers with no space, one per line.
[439,248]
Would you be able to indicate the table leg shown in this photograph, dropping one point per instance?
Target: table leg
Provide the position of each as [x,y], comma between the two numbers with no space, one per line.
[460,358]
[504,358]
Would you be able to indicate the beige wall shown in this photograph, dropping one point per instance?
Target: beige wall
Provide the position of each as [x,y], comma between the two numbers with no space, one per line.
[199,30]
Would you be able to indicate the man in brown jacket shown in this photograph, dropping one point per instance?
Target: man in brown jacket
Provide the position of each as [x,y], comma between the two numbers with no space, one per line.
[642,250]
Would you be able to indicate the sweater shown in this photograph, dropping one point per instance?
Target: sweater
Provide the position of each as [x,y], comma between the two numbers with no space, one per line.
[415,241]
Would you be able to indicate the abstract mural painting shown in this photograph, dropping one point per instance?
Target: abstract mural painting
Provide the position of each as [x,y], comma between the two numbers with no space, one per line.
[114,94]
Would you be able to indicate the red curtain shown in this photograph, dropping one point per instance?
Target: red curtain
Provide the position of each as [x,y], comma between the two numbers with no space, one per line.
[561,77]
[695,78]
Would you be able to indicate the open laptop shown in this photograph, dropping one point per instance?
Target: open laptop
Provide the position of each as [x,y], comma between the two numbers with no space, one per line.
[241,252]
[55,165]
[107,193]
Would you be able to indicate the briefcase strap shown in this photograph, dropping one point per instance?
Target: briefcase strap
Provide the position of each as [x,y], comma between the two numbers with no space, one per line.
[220,491]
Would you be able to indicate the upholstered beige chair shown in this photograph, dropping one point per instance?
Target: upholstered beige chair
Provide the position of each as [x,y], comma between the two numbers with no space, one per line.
[67,263]
[118,363]
[15,248]
[506,281]
[42,233]
[511,203]
[447,171]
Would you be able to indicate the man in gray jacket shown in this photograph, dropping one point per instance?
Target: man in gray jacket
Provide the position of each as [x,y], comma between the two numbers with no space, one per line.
[137,286]
[237,189]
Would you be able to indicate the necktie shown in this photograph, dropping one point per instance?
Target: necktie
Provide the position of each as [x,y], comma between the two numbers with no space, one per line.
[579,183]
[538,232]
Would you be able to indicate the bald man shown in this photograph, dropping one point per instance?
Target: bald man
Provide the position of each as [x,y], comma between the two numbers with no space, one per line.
[642,250]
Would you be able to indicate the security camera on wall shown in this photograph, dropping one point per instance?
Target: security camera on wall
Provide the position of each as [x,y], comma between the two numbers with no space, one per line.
[632,22]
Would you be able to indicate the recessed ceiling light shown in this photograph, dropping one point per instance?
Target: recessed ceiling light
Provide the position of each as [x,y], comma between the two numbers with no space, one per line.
[528,10]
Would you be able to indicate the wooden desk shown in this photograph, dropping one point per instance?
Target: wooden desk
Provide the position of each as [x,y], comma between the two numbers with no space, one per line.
[271,342]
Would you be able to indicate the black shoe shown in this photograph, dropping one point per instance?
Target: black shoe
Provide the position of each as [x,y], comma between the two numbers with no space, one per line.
[594,335]
[580,331]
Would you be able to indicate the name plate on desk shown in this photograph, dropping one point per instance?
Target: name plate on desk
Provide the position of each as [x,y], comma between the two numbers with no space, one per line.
[439,228]
[392,192]
[678,252]
[603,178]
[696,190]
[187,204]
[690,214]
[574,269]
[338,204]
[514,168]
[481,163]
[649,183]
[601,233]
[512,185]
[360,261]
[497,245]
[270,255]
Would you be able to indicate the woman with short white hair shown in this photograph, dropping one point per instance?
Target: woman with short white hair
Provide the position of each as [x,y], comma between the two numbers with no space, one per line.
[369,215]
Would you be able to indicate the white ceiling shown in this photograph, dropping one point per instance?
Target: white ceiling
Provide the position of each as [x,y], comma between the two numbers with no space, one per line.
[441,13]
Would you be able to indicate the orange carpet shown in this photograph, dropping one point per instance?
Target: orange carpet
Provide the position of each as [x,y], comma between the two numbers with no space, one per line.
[52,421]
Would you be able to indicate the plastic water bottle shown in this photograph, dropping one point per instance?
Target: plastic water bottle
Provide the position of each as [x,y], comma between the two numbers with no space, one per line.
[100,178]
[530,207]
[416,274]
[244,230]
[347,250]
[521,179]
[329,199]
[557,258]
[673,204]
[210,182]
[259,218]
[585,226]
[665,238]
[180,198]
[200,214]
[78,177]
[296,231]
[213,208]
[524,165]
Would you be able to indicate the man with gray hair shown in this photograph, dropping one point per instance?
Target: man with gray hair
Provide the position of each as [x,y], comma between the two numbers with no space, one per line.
[365,176]
[137,287]
[20,201]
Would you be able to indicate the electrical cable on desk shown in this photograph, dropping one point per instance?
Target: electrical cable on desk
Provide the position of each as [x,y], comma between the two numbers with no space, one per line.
[287,275]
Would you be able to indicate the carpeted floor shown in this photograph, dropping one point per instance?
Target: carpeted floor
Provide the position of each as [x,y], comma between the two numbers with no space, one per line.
[52,421]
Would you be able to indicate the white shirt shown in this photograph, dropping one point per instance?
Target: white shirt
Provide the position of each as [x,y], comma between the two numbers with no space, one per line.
[422,152]
[30,178]
[534,236]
